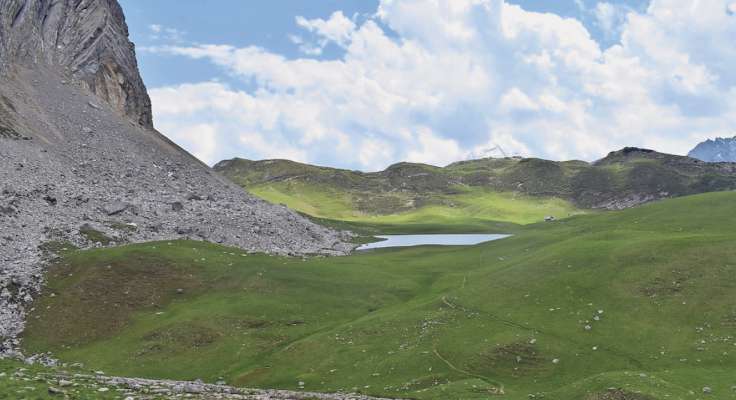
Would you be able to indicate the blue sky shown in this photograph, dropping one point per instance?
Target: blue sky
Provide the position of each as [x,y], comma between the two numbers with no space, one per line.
[362,83]
[266,24]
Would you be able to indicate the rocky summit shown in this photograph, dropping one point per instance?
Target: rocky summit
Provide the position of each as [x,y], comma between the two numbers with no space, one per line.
[81,165]
[715,150]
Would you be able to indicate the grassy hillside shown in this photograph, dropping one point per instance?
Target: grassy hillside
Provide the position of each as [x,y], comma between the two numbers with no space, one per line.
[404,195]
[21,381]
[479,192]
[635,304]
[475,208]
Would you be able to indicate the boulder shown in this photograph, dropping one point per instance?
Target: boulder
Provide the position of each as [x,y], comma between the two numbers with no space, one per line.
[115,207]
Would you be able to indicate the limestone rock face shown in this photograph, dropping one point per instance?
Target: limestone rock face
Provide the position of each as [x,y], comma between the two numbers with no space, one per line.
[87,39]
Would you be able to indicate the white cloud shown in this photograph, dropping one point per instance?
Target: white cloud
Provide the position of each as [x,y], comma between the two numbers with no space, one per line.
[309,49]
[515,100]
[164,33]
[435,150]
[454,77]
[267,149]
[199,139]
[337,29]
[501,143]
[610,17]
[375,154]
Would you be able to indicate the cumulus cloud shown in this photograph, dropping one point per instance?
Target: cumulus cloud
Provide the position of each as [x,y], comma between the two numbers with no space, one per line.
[199,138]
[443,80]
[515,99]
[610,17]
[433,149]
[306,47]
[164,33]
[336,29]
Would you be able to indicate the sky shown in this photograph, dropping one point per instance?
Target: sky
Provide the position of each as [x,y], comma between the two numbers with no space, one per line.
[362,84]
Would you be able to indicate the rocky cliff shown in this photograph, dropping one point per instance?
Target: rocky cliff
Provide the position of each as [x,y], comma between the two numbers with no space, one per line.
[80,164]
[716,150]
[84,39]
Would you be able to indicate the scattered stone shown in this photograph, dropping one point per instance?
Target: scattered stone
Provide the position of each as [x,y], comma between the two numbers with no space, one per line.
[115,208]
[177,206]
[133,388]
[54,391]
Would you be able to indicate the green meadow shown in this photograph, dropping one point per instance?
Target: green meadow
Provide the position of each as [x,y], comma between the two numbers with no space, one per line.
[627,305]
[469,209]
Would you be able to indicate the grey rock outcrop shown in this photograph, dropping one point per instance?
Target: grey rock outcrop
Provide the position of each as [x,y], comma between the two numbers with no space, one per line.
[715,150]
[80,163]
[87,39]
[67,385]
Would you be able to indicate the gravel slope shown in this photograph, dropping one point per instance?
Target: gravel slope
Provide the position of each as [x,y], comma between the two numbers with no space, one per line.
[81,164]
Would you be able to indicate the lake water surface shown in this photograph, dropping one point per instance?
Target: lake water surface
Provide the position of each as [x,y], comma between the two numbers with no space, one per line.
[439,239]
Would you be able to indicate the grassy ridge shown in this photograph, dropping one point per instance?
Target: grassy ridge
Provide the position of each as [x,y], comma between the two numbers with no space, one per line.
[500,189]
[639,300]
[468,206]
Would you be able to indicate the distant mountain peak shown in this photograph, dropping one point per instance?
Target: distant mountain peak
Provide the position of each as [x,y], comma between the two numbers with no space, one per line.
[715,150]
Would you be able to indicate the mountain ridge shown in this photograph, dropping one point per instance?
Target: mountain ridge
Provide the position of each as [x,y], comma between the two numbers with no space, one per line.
[623,179]
[715,150]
